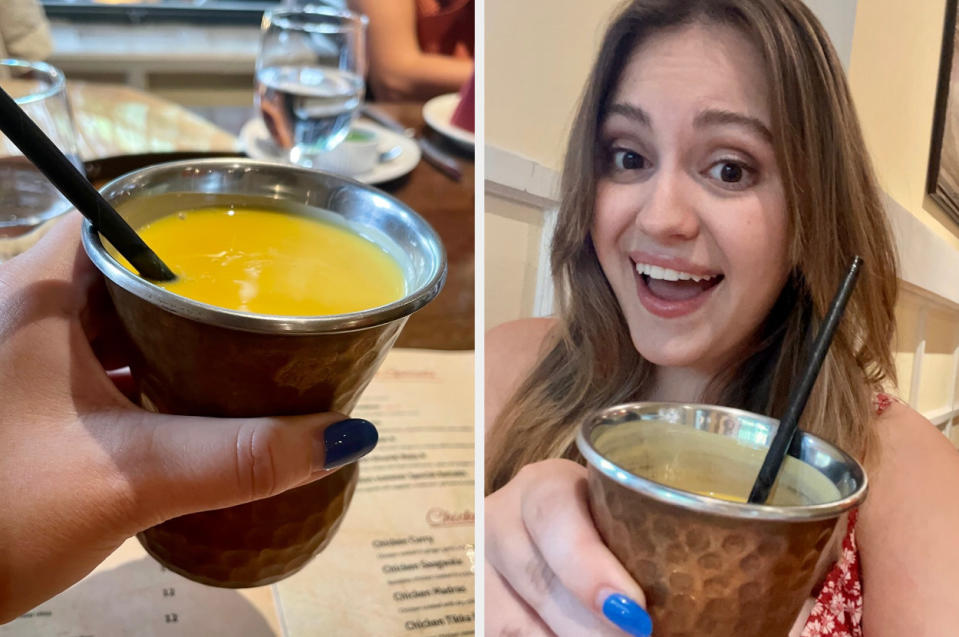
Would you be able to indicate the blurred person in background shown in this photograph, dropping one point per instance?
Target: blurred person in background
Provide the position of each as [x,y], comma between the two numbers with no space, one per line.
[24,30]
[418,48]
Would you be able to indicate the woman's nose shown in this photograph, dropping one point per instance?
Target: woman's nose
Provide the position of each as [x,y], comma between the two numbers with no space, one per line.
[668,214]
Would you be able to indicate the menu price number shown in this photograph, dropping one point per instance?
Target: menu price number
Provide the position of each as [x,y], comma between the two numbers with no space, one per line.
[37,613]
[171,617]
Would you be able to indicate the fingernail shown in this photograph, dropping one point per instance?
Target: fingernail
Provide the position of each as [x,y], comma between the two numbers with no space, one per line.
[345,442]
[628,615]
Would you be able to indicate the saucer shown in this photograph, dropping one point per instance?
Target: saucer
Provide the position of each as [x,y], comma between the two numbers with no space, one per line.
[255,140]
[438,113]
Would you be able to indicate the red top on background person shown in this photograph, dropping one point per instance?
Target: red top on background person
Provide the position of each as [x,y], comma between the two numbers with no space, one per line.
[418,49]
[465,114]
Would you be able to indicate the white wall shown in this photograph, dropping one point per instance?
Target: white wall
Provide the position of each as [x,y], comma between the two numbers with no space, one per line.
[538,53]
[839,19]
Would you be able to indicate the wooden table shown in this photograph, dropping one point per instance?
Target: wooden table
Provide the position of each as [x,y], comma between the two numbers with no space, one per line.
[114,120]
[447,322]
[140,129]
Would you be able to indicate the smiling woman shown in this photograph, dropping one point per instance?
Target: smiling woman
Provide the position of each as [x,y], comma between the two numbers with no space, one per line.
[715,186]
[689,187]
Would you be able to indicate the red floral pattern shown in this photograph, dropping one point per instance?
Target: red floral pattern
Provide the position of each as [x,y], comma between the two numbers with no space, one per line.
[838,608]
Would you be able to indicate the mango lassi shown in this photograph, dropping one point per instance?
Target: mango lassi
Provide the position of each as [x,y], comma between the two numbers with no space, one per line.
[269,262]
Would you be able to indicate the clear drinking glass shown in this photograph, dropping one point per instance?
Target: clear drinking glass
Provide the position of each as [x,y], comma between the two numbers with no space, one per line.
[309,78]
[28,201]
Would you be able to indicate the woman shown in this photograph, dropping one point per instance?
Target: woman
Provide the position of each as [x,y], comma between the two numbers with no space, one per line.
[715,188]
[418,48]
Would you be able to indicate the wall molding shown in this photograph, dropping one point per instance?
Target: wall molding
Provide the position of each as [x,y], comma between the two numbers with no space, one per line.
[514,176]
[928,265]
[517,178]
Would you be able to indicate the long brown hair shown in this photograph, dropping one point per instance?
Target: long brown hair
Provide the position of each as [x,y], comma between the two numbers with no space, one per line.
[834,211]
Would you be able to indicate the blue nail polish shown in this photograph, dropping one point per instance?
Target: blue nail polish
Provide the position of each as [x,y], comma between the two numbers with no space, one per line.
[347,441]
[628,615]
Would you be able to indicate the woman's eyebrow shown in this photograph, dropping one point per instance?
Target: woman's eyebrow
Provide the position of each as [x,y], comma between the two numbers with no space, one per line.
[630,111]
[713,117]
[710,117]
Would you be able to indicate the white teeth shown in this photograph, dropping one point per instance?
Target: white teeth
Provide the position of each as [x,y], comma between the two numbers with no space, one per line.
[665,274]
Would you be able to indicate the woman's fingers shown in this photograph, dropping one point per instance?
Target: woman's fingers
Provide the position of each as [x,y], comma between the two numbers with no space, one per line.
[541,539]
[556,516]
[105,332]
[57,258]
[183,464]
[509,614]
[521,566]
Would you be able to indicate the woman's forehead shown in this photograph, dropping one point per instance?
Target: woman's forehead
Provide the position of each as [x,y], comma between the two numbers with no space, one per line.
[694,68]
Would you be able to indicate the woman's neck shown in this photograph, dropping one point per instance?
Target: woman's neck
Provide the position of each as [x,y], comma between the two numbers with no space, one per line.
[678,384]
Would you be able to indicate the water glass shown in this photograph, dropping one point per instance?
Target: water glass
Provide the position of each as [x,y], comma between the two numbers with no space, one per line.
[309,78]
[28,202]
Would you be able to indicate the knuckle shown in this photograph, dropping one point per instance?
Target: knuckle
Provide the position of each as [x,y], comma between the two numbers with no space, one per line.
[541,579]
[255,460]
[515,615]
[532,472]
[132,444]
[537,511]
[122,504]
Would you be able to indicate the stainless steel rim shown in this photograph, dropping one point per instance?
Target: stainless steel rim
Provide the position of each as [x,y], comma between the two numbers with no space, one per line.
[692,501]
[265,323]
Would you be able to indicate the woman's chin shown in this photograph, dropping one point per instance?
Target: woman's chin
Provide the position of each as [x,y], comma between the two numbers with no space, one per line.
[666,354]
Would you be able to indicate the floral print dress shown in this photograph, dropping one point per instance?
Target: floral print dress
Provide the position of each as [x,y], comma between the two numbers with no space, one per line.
[837,611]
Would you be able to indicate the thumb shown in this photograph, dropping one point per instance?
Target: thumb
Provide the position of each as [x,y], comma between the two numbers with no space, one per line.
[186,464]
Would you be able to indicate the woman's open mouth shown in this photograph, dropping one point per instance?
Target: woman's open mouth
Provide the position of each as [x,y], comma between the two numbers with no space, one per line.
[671,293]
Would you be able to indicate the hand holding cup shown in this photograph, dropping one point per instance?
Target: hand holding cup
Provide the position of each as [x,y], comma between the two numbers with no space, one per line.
[547,569]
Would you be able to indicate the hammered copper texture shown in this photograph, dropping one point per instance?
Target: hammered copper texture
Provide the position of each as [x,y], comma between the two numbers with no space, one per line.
[705,574]
[186,367]
[257,543]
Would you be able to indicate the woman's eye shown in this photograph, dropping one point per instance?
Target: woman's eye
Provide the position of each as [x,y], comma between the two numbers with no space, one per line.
[622,160]
[732,174]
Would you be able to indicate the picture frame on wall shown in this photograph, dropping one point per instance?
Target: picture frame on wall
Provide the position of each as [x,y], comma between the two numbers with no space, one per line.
[942,182]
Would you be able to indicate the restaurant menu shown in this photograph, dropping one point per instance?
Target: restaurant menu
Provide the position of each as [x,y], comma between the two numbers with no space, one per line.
[402,562]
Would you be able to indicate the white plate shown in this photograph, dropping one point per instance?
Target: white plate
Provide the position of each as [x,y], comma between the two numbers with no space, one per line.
[438,113]
[255,140]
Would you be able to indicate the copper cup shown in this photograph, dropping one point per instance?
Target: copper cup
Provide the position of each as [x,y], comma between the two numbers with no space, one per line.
[710,566]
[193,358]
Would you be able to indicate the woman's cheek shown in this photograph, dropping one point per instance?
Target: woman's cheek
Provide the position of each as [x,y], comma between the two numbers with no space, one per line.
[614,212]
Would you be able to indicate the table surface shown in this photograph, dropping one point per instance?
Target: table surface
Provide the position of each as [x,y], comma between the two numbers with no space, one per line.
[117,121]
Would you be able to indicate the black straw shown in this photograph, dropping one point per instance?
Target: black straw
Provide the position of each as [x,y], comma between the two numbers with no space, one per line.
[44,154]
[800,393]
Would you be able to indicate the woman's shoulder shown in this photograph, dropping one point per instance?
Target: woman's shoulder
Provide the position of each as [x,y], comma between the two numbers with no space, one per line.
[510,351]
[906,526]
[913,454]
[906,437]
